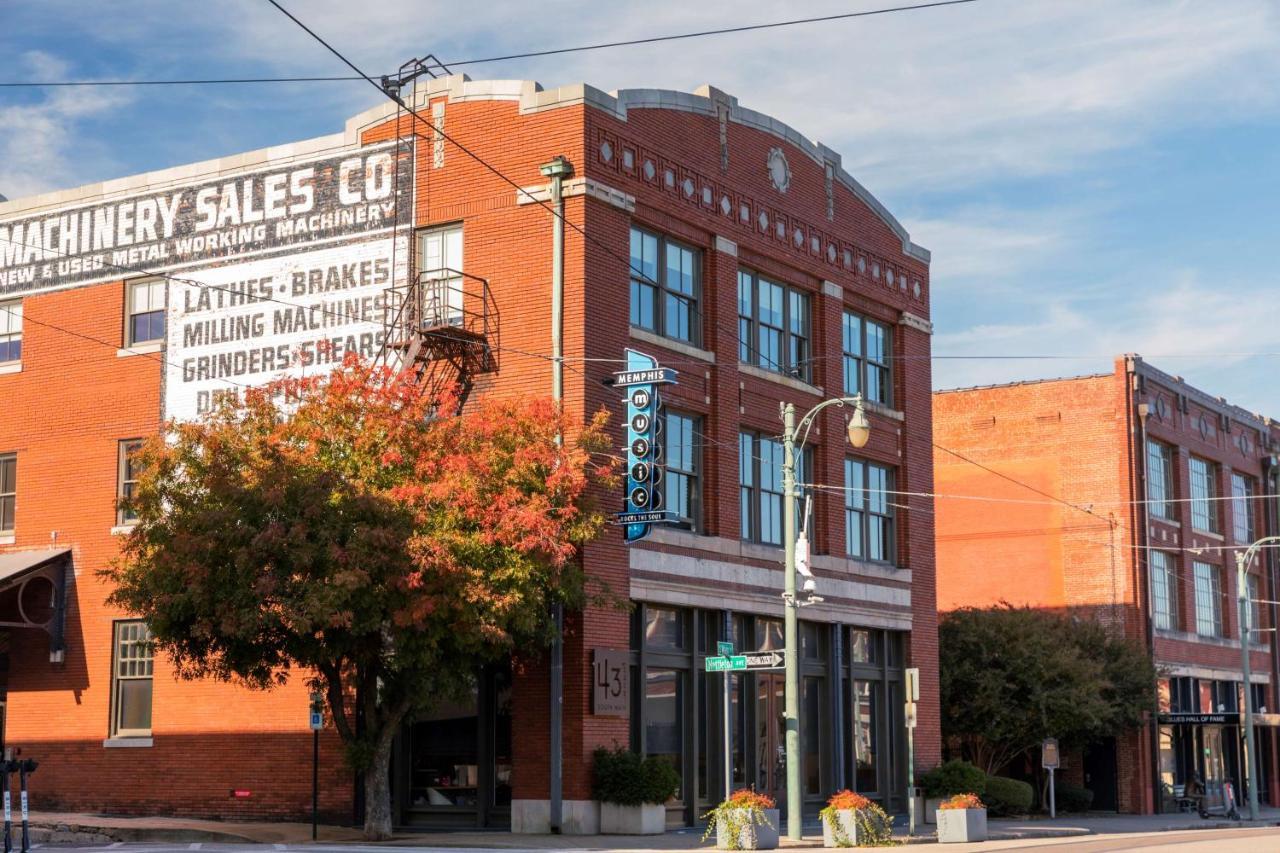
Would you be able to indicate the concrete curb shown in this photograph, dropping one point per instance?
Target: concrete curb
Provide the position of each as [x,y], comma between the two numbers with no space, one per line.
[81,833]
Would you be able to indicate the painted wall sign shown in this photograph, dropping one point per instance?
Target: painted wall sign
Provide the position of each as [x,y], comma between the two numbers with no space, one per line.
[303,203]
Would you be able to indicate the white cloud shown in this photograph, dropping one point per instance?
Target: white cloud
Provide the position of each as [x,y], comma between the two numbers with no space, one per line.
[41,148]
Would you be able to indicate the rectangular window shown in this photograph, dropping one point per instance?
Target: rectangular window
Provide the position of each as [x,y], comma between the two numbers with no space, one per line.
[773,326]
[760,488]
[1243,493]
[131,680]
[1204,493]
[10,331]
[1254,586]
[145,312]
[682,484]
[1208,600]
[868,346]
[665,280]
[8,491]
[1160,479]
[126,479]
[440,275]
[1163,599]
[868,511]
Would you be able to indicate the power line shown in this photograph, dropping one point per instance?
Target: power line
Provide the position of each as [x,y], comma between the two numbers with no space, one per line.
[504,58]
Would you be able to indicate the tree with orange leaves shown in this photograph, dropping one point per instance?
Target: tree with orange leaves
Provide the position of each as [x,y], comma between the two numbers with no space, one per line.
[340,528]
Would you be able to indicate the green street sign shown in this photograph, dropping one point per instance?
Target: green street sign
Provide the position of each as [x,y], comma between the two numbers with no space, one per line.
[718,664]
[736,662]
[724,647]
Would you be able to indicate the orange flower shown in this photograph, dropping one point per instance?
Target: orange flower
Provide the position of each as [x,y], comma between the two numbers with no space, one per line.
[847,800]
[963,801]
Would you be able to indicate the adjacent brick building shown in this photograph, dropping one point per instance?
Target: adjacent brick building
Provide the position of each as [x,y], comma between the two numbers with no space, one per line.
[714,238]
[1124,497]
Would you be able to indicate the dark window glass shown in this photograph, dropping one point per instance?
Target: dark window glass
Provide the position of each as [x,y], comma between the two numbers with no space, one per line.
[1162,590]
[131,679]
[811,734]
[126,479]
[774,326]
[866,713]
[1208,599]
[146,311]
[10,331]
[8,491]
[1204,492]
[868,348]
[682,484]
[664,716]
[664,628]
[1160,479]
[869,511]
[1243,492]
[664,295]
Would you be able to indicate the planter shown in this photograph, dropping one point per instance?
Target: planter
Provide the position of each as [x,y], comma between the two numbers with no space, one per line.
[765,836]
[930,812]
[847,822]
[960,825]
[645,819]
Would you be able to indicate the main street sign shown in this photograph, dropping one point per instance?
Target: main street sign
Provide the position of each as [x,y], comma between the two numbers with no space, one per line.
[643,497]
[753,661]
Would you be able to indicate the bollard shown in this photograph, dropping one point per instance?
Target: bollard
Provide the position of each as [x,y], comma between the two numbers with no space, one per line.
[5,769]
[25,767]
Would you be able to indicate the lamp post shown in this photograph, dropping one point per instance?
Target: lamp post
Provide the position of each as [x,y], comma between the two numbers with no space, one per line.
[1246,628]
[859,431]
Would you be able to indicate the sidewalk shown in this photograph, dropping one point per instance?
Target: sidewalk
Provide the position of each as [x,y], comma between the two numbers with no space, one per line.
[87,828]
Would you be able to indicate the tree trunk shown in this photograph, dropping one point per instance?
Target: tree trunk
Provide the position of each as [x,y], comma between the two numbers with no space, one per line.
[377,793]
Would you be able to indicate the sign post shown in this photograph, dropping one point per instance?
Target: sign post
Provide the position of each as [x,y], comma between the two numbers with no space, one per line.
[1049,761]
[316,720]
[913,696]
[725,649]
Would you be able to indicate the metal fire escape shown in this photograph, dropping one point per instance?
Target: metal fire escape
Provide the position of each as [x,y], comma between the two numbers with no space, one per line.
[441,327]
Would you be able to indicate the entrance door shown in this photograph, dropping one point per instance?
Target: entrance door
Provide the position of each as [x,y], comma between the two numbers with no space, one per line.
[1100,774]
[771,743]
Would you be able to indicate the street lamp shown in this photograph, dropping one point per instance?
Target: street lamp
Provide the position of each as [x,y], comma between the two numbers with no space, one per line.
[858,432]
[1246,628]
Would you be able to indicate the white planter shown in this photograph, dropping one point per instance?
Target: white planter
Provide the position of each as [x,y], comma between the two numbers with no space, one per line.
[765,836]
[847,820]
[646,819]
[956,826]
[930,812]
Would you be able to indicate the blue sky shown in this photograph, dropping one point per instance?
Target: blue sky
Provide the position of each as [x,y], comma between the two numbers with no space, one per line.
[1093,177]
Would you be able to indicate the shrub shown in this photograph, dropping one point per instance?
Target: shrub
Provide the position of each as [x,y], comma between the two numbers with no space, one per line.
[1007,796]
[1072,798]
[954,777]
[625,778]
[962,801]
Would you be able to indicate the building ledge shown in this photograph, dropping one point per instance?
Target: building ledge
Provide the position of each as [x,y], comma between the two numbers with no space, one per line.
[723,547]
[886,411]
[675,346]
[780,378]
[7,539]
[1193,637]
[123,529]
[10,367]
[127,742]
[140,349]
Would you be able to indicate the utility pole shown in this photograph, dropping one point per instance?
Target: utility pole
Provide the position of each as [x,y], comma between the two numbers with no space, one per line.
[859,431]
[1246,629]
[557,170]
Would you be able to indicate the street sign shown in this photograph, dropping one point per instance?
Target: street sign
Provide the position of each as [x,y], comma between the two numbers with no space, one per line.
[913,684]
[1049,753]
[911,715]
[316,714]
[724,647]
[756,660]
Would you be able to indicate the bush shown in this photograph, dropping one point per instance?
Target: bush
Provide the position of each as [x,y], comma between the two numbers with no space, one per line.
[623,777]
[1007,797]
[954,777]
[1072,798]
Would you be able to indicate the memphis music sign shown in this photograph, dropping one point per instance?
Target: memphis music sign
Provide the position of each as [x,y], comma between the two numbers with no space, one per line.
[210,222]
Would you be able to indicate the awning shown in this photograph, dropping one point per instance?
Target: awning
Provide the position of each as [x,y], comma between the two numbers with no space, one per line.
[33,593]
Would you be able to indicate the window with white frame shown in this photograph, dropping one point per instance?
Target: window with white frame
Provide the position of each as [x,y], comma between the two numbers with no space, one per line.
[8,491]
[1243,492]
[440,275]
[11,331]
[1163,591]
[144,320]
[1208,599]
[1204,495]
[868,347]
[126,479]
[868,510]
[1160,479]
[773,326]
[664,286]
[131,672]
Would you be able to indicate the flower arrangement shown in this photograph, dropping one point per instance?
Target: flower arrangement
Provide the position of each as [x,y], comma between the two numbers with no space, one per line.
[744,809]
[873,827]
[962,801]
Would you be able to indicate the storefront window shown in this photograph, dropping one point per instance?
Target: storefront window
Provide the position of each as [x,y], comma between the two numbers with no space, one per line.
[865,715]
[664,628]
[811,729]
[663,715]
[861,647]
[769,635]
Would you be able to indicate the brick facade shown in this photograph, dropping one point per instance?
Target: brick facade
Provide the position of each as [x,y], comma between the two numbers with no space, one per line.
[1055,516]
[691,167]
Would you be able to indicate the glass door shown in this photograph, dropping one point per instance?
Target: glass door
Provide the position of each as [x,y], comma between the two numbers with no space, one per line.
[771,744]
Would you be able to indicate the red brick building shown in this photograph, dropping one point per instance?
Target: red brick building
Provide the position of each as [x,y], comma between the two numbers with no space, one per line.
[1124,497]
[711,237]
